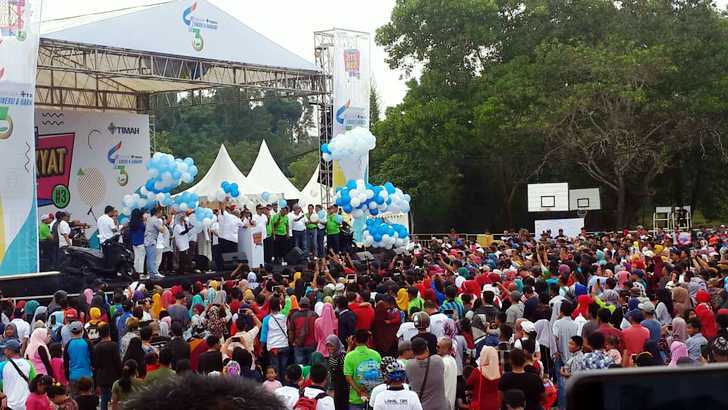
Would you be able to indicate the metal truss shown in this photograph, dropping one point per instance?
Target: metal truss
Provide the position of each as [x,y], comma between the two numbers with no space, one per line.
[324,54]
[75,75]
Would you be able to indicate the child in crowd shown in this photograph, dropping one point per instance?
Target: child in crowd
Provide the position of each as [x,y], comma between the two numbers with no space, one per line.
[271,382]
[60,398]
[56,350]
[575,345]
[611,346]
[87,398]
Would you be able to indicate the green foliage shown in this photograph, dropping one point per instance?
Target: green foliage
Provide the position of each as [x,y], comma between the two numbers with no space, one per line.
[622,96]
[302,168]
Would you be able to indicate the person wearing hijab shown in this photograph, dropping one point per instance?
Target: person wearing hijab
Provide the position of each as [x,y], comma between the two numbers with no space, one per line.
[29,310]
[402,299]
[215,322]
[705,314]
[167,299]
[384,328]
[678,350]
[156,306]
[680,300]
[252,280]
[37,351]
[679,330]
[337,352]
[483,382]
[40,315]
[324,326]
[196,300]
[545,338]
[220,298]
[135,352]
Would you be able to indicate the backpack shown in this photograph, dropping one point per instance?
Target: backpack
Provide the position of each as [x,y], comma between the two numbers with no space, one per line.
[306,403]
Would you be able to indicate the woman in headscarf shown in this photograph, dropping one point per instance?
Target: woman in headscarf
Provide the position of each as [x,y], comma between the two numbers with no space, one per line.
[680,300]
[679,330]
[37,351]
[252,280]
[156,306]
[678,350]
[705,314]
[220,298]
[135,352]
[483,382]
[622,277]
[325,325]
[10,332]
[384,328]
[338,381]
[402,299]
[664,309]
[545,338]
[167,298]
[40,316]
[29,310]
[210,298]
[215,323]
[196,300]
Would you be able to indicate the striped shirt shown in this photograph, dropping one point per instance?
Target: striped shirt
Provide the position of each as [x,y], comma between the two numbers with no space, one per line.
[455,306]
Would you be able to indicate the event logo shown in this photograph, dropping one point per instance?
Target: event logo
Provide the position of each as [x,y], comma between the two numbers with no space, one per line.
[351,117]
[6,123]
[53,158]
[340,112]
[196,24]
[113,153]
[114,129]
[352,62]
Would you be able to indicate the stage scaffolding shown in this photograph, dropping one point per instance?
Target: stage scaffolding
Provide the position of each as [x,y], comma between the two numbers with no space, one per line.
[324,59]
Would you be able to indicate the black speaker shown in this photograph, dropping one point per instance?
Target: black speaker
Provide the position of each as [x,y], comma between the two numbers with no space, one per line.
[202,262]
[231,260]
[294,256]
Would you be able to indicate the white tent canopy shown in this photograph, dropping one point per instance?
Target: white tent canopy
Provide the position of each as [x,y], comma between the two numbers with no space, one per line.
[266,174]
[192,28]
[223,169]
[311,193]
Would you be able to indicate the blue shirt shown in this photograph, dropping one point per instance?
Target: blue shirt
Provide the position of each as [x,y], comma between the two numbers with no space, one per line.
[654,327]
[78,357]
[137,235]
[455,306]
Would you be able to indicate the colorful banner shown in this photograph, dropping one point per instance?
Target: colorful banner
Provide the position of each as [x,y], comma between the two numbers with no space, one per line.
[351,79]
[86,160]
[19,36]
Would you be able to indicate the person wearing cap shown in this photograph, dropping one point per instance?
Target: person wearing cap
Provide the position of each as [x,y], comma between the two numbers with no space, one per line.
[16,373]
[301,324]
[655,328]
[515,311]
[77,355]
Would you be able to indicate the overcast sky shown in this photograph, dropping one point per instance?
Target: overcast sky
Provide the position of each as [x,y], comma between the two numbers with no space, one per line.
[290,23]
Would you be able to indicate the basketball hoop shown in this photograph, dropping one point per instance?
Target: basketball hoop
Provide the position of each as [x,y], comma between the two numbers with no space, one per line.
[581,213]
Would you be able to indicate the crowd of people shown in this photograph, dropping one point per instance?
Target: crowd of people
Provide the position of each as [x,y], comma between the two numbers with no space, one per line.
[450,324]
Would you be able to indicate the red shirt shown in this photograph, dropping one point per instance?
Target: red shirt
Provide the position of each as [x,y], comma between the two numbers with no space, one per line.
[608,331]
[364,313]
[635,337]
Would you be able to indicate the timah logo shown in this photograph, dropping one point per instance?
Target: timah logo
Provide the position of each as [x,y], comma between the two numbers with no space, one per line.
[114,129]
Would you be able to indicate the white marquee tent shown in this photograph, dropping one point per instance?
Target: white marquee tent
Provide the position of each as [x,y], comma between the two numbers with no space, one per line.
[311,193]
[223,169]
[266,174]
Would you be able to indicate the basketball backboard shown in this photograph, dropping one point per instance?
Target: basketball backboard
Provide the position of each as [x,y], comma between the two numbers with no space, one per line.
[548,197]
[584,199]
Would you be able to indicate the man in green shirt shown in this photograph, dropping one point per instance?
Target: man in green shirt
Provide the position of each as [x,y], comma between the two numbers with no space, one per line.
[268,250]
[44,228]
[333,229]
[281,231]
[361,368]
[164,372]
[48,247]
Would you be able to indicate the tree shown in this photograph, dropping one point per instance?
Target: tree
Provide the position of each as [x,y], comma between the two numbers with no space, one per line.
[374,108]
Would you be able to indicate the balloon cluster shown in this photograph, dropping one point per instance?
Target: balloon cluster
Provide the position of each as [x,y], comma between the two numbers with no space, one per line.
[186,201]
[166,172]
[381,234]
[202,216]
[359,198]
[227,189]
[353,143]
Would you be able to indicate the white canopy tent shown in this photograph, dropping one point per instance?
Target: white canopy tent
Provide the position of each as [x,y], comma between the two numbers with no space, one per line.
[266,174]
[223,169]
[311,193]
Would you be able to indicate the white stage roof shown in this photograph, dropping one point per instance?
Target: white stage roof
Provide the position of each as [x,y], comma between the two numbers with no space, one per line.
[190,28]
[266,174]
[223,169]
[311,193]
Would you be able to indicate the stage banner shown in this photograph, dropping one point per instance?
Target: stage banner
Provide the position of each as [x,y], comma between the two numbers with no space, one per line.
[351,78]
[571,226]
[86,160]
[19,36]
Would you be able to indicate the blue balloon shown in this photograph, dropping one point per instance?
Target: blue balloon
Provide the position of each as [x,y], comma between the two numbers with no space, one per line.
[193,170]
[351,184]
[322,215]
[325,149]
[377,237]
[347,208]
[234,186]
[374,212]
[345,197]
[379,200]
[234,192]
[265,196]
[282,203]
[225,186]
[339,218]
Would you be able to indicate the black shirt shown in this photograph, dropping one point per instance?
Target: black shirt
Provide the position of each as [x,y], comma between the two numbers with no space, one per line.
[107,363]
[179,349]
[210,361]
[88,402]
[431,341]
[530,384]
[347,325]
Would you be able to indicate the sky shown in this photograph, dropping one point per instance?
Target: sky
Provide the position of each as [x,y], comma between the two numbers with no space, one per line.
[290,23]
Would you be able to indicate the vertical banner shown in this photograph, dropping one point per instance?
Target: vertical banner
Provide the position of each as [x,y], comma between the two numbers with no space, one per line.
[351,80]
[19,36]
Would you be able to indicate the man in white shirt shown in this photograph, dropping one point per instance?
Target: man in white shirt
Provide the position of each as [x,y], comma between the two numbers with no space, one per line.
[64,231]
[215,233]
[444,349]
[289,393]
[22,329]
[182,242]
[277,336]
[297,224]
[106,224]
[15,385]
[229,226]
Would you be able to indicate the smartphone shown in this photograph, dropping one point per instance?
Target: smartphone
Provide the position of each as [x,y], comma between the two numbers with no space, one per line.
[659,387]
[235,339]
[351,278]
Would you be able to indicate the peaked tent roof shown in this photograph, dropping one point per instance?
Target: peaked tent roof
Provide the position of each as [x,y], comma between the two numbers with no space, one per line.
[266,174]
[190,28]
[311,193]
[223,169]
